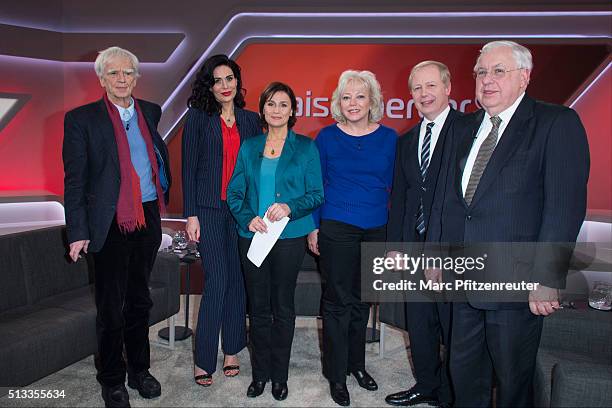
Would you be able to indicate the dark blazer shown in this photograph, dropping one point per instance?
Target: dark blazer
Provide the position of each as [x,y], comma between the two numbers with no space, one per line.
[533,188]
[298,183]
[408,186]
[203,156]
[91,168]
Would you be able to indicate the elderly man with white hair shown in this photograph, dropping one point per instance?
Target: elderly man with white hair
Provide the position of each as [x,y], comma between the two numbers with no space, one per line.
[517,173]
[116,184]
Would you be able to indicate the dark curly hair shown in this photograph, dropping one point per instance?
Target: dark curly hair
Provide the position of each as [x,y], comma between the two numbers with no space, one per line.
[268,93]
[201,95]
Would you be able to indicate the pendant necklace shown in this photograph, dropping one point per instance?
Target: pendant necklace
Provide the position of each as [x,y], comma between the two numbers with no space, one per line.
[272,151]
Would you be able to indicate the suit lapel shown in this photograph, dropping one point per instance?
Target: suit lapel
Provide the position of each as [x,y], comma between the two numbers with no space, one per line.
[436,153]
[463,150]
[152,129]
[215,126]
[108,133]
[240,122]
[413,151]
[257,157]
[507,145]
[286,154]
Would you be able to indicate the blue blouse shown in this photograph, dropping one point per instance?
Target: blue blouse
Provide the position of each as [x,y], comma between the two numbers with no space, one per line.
[267,184]
[357,175]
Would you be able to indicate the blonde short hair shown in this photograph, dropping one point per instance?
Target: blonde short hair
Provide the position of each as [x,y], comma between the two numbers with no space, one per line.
[113,52]
[368,79]
[444,71]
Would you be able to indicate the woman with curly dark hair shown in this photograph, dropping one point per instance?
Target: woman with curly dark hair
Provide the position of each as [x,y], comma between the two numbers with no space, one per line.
[216,126]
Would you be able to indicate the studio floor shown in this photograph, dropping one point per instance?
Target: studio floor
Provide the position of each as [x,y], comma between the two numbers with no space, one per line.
[174,369]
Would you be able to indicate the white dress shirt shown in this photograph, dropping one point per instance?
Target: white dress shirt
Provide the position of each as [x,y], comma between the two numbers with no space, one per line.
[483,132]
[435,132]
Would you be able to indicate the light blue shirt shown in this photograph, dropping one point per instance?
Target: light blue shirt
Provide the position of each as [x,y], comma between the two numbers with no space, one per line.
[267,184]
[138,151]
[126,113]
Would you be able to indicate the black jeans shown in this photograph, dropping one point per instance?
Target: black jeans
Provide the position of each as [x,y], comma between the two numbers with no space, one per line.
[345,316]
[122,270]
[271,292]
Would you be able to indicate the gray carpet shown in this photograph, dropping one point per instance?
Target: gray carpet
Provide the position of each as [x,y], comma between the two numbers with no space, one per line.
[174,369]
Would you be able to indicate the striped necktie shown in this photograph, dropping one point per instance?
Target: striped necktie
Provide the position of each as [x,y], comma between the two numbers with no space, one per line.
[425,150]
[482,159]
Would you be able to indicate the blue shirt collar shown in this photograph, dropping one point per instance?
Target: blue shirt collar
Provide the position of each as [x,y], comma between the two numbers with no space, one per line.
[126,113]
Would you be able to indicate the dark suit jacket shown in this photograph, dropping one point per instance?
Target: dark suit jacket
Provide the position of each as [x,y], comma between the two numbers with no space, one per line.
[408,186]
[91,167]
[533,188]
[203,156]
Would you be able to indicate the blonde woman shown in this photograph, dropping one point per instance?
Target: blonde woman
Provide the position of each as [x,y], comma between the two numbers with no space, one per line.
[357,157]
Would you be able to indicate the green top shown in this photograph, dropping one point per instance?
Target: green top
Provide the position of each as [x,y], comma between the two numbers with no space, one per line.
[297,183]
[267,177]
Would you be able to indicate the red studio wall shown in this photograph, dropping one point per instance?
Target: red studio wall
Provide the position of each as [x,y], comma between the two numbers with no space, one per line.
[30,144]
[594,109]
[312,71]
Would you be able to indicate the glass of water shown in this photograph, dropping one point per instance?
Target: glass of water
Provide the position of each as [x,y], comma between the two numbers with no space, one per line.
[179,241]
[600,296]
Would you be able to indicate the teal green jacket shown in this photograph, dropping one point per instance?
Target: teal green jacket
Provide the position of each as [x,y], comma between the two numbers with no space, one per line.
[298,183]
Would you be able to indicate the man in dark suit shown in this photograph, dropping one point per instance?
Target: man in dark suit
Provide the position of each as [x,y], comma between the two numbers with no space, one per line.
[117,179]
[518,174]
[417,165]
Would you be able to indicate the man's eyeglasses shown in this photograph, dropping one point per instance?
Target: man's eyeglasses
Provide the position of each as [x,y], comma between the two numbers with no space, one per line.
[497,73]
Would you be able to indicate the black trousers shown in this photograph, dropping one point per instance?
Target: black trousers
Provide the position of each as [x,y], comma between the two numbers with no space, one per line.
[483,341]
[271,293]
[122,270]
[428,325]
[345,317]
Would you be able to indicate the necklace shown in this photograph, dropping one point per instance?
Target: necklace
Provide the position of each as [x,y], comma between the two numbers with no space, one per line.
[270,141]
[228,118]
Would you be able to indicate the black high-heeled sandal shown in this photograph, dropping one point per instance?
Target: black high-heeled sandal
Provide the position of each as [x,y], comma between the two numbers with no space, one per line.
[229,368]
[207,380]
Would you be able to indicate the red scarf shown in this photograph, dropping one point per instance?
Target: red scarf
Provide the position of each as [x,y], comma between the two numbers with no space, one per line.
[130,213]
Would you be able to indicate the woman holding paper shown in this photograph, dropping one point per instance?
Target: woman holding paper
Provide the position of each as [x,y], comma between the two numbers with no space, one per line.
[277,175]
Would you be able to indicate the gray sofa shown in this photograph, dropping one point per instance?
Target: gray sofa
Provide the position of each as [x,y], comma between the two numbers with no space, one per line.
[47,310]
[574,362]
[308,288]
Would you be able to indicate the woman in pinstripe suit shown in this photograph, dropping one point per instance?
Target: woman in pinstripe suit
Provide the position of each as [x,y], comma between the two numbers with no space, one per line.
[216,125]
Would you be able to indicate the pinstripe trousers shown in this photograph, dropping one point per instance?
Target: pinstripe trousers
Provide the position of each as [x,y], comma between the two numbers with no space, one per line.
[223,299]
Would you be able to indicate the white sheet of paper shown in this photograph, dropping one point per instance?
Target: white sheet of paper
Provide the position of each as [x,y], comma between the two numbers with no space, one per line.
[262,244]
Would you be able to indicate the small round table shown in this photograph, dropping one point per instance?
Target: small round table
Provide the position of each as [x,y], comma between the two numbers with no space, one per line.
[182,332]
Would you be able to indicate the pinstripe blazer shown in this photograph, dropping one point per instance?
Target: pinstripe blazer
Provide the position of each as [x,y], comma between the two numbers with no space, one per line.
[203,156]
[533,188]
